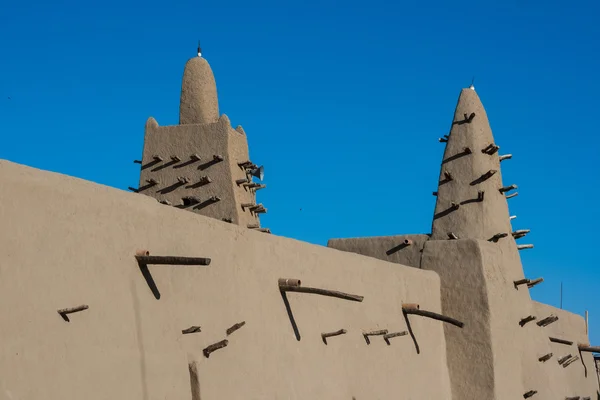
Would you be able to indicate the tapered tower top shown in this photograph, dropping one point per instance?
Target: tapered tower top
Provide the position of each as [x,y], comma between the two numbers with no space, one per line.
[471,200]
[199,103]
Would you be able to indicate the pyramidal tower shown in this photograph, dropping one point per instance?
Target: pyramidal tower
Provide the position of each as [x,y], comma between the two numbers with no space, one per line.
[503,349]
[201,165]
[471,201]
[474,250]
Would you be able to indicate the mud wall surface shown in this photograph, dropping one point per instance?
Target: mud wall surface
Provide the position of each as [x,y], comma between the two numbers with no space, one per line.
[577,378]
[401,249]
[65,242]
[208,186]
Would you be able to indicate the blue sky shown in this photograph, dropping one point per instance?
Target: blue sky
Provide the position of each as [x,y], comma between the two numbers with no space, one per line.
[343,102]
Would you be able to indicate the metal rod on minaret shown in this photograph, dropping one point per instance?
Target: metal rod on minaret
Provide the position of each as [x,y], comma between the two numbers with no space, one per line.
[199,50]
[561,295]
[586,322]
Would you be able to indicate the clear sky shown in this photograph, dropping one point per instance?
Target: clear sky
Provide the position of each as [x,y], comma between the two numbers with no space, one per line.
[343,102]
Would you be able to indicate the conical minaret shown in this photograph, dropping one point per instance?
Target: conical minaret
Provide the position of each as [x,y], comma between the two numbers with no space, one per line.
[471,201]
[199,103]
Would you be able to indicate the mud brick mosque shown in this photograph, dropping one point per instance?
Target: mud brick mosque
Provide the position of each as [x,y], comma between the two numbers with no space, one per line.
[176,292]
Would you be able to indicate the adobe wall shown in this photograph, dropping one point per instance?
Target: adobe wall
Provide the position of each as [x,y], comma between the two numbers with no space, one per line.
[389,248]
[67,242]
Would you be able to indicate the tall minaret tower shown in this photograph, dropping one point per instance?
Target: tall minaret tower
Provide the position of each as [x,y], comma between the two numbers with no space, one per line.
[471,200]
[202,164]
[474,250]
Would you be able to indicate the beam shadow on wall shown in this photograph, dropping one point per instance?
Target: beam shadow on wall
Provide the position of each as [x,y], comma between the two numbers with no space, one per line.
[149,280]
[396,248]
[150,164]
[290,314]
[165,165]
[208,164]
[445,212]
[457,156]
[171,188]
[410,331]
[294,285]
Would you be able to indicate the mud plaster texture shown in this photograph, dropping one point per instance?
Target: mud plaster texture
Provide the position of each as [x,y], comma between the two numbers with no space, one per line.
[493,357]
[65,242]
[201,133]
[198,103]
[388,248]
[68,242]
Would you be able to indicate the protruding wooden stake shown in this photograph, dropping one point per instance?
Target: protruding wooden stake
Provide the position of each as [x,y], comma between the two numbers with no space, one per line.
[156,157]
[323,292]
[240,181]
[505,157]
[512,217]
[443,140]
[175,158]
[171,260]
[374,333]
[152,181]
[283,282]
[510,196]
[448,176]
[498,236]
[588,348]
[435,193]
[547,321]
[213,347]
[214,199]
[545,358]
[452,236]
[561,341]
[183,179]
[393,335]
[454,206]
[324,336]
[520,233]
[137,161]
[235,327]
[410,306]
[505,189]
[166,202]
[195,157]
[432,315]
[565,358]
[525,320]
[570,361]
[529,394]
[407,242]
[521,282]
[524,246]
[218,157]
[191,329]
[204,180]
[72,310]
[491,149]
[534,282]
